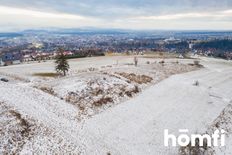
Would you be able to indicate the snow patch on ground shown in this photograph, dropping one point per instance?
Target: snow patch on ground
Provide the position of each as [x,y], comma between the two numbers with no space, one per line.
[135,126]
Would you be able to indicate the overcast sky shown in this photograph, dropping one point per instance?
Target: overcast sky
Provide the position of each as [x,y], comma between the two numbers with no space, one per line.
[129,14]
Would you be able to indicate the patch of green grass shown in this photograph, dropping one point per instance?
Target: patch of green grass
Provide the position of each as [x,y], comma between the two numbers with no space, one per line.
[46,74]
[156,55]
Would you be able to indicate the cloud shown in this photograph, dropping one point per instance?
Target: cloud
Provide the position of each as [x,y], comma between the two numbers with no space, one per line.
[118,8]
[133,14]
[37,14]
[216,15]
[18,19]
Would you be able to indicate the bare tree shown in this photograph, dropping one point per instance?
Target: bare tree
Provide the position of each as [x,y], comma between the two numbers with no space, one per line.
[136,61]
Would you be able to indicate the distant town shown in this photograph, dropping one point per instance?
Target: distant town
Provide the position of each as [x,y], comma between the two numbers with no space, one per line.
[41,45]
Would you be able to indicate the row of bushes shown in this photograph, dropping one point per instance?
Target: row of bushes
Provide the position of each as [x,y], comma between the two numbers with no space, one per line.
[82,56]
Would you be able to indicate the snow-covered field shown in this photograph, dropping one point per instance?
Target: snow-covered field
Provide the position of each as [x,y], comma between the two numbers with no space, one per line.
[108,106]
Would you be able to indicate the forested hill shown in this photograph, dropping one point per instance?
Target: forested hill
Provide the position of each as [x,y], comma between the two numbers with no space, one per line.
[10,35]
[224,45]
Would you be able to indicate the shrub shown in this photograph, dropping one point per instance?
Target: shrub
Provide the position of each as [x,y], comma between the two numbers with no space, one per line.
[47,89]
[102,101]
[140,79]
[197,149]
[46,74]
[135,61]
[196,83]
[130,93]
[162,62]
[196,62]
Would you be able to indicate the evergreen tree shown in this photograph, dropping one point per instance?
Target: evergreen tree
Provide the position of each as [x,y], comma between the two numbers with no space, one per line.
[61,62]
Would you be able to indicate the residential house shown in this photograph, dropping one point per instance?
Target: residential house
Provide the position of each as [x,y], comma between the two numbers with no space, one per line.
[11,58]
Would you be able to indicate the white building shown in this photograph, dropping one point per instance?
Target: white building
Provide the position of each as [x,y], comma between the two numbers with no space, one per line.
[191,45]
[172,40]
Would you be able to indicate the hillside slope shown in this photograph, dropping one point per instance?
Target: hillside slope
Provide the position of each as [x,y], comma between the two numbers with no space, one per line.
[133,127]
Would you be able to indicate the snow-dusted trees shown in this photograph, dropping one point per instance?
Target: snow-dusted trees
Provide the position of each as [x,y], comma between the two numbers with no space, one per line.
[61,62]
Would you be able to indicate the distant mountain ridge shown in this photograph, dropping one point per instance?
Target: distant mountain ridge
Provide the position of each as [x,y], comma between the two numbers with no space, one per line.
[77,31]
[114,31]
[10,34]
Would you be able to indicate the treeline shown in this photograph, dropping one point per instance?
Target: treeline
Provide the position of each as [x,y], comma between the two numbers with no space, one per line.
[10,35]
[179,46]
[78,55]
[223,45]
[85,53]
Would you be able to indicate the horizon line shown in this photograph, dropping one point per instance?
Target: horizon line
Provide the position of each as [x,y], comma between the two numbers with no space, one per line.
[54,29]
